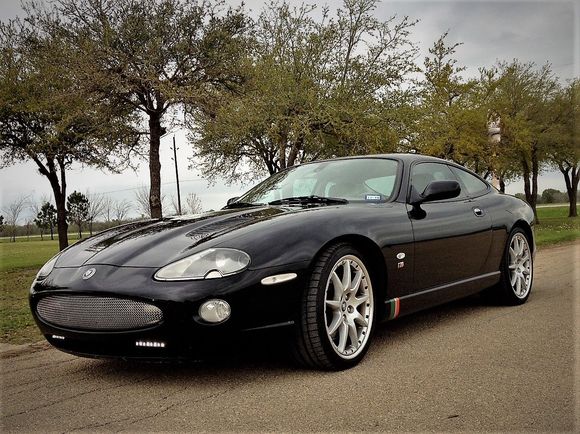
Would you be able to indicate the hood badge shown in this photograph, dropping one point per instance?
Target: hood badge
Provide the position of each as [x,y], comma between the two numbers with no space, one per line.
[89,273]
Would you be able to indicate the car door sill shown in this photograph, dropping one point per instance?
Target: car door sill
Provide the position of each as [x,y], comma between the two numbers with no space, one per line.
[437,295]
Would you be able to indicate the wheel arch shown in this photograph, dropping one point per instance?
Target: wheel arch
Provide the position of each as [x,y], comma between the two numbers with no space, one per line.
[525,226]
[374,261]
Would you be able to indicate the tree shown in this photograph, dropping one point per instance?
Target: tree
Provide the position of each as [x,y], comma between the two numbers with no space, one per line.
[193,204]
[564,140]
[45,114]
[78,206]
[108,208]
[13,212]
[452,120]
[46,219]
[551,195]
[2,224]
[521,101]
[156,55]
[121,210]
[143,202]
[96,208]
[316,87]
[28,228]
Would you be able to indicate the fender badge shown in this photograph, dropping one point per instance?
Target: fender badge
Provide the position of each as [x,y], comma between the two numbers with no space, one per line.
[400,255]
[89,273]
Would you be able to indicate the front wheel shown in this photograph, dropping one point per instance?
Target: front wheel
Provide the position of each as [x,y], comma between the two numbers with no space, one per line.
[337,311]
[517,270]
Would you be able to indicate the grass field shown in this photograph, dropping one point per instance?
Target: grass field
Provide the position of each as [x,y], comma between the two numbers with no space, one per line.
[20,261]
[555,226]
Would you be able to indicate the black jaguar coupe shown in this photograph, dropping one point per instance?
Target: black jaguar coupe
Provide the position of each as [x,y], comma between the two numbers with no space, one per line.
[328,249]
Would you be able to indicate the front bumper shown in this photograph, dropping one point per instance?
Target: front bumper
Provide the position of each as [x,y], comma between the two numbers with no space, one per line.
[181,333]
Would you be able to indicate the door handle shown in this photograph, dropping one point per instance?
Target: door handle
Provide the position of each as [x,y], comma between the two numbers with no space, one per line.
[478,212]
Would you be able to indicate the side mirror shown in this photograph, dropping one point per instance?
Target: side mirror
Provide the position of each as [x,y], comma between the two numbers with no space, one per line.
[437,190]
[232,200]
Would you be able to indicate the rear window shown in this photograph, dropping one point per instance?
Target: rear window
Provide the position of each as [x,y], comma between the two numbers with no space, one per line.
[472,184]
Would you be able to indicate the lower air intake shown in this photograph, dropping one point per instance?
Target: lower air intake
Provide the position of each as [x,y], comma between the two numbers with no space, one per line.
[84,312]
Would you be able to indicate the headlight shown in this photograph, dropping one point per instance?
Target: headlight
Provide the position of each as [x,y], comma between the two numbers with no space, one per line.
[209,264]
[47,268]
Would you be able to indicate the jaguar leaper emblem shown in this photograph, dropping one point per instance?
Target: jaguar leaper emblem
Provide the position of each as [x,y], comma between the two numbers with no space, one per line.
[89,273]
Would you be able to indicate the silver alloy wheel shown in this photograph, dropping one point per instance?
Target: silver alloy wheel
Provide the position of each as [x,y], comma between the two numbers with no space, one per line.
[520,265]
[348,306]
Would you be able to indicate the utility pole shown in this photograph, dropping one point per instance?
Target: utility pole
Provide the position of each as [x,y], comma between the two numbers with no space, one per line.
[176,177]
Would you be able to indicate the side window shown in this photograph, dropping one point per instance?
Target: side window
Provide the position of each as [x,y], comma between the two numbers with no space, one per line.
[424,173]
[473,184]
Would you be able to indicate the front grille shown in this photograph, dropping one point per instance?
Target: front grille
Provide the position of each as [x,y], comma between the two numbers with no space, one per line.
[86,312]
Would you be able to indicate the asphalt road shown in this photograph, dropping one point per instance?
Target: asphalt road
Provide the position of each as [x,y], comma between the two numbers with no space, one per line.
[464,366]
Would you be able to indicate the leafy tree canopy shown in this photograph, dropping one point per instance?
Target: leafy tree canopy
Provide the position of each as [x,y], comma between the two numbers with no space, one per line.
[46,217]
[77,205]
[155,56]
[315,88]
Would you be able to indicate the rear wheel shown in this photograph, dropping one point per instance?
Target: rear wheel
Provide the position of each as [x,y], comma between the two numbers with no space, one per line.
[337,311]
[517,270]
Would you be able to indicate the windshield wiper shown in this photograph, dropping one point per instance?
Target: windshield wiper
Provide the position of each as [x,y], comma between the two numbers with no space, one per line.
[241,205]
[305,200]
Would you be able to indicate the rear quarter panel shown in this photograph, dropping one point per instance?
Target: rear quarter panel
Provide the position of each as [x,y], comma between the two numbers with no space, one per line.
[506,212]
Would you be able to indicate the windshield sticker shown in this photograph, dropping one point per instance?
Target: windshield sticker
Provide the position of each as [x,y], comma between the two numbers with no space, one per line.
[373,197]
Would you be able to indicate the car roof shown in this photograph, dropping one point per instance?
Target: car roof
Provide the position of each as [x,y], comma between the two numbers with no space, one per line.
[405,157]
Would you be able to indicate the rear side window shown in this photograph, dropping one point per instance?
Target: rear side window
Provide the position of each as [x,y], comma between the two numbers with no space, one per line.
[473,184]
[424,173]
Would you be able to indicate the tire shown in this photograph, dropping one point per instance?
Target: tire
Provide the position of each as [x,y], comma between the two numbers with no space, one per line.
[335,323]
[517,270]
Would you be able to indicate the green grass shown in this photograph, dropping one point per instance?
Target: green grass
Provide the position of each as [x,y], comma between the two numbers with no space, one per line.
[555,226]
[16,323]
[20,261]
[26,254]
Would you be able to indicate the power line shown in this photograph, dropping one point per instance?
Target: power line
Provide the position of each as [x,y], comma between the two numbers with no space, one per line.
[140,186]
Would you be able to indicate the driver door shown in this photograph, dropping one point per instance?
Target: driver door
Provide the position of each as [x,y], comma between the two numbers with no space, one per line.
[451,242]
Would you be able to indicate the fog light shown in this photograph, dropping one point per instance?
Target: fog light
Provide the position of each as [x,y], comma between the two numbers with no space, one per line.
[215,311]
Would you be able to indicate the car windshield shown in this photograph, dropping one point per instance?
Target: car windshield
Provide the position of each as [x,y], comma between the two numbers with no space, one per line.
[353,180]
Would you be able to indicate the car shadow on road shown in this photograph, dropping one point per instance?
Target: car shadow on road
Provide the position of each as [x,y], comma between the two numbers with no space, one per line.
[270,354]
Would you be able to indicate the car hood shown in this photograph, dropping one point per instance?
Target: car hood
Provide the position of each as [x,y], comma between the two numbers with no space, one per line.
[154,243]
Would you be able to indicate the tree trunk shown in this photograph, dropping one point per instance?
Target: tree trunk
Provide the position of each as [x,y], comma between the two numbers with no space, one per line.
[59,191]
[571,177]
[155,165]
[80,231]
[294,151]
[573,211]
[535,171]
[501,184]
[61,224]
[51,232]
[531,197]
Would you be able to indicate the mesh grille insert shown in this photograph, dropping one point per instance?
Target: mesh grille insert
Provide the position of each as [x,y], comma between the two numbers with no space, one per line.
[85,312]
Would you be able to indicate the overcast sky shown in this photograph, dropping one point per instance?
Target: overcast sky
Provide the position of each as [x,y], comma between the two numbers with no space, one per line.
[538,31]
